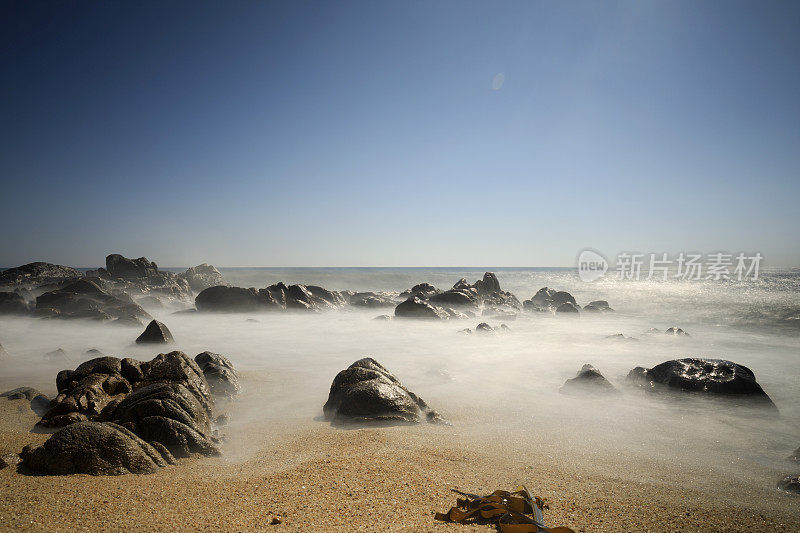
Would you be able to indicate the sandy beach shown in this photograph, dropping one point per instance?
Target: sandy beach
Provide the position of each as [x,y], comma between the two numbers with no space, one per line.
[323,478]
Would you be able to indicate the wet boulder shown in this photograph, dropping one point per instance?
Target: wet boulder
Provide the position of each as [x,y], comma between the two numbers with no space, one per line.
[715,377]
[484,329]
[415,307]
[219,373]
[420,290]
[589,380]
[84,393]
[172,367]
[222,298]
[96,448]
[12,303]
[170,414]
[367,392]
[202,277]
[322,297]
[547,299]
[155,333]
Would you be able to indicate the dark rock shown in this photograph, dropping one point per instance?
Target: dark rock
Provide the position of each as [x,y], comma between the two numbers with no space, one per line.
[465,331]
[85,299]
[170,414]
[598,306]
[93,353]
[415,307]
[383,317]
[484,329]
[97,448]
[567,307]
[708,376]
[790,484]
[12,303]
[367,392]
[202,277]
[547,299]
[420,290]
[588,381]
[118,266]
[38,273]
[677,332]
[219,373]
[155,333]
[324,297]
[505,328]
[233,299]
[487,285]
[459,298]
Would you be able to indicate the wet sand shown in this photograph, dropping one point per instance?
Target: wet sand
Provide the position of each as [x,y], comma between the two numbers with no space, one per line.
[323,478]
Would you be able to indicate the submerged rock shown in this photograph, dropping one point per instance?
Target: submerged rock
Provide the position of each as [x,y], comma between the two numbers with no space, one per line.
[97,448]
[568,307]
[598,306]
[716,377]
[677,332]
[367,392]
[589,380]
[155,333]
[484,328]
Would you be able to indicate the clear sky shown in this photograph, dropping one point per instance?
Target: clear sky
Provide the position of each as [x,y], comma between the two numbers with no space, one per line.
[397,133]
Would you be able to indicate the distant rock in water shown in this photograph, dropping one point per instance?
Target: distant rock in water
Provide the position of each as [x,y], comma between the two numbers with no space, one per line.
[588,381]
[119,266]
[547,299]
[3,353]
[598,306]
[416,307]
[202,277]
[484,329]
[56,355]
[222,298]
[708,376]
[12,303]
[367,392]
[155,333]
[677,332]
[96,448]
[38,273]
[39,402]
[84,298]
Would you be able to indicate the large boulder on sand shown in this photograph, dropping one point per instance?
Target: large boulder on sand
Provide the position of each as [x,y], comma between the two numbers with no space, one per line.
[588,381]
[166,401]
[95,448]
[202,277]
[367,392]
[155,333]
[716,377]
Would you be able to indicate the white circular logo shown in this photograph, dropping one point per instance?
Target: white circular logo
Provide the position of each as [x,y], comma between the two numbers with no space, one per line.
[591,265]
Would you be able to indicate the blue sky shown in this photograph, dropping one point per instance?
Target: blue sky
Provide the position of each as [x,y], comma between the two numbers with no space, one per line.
[379,134]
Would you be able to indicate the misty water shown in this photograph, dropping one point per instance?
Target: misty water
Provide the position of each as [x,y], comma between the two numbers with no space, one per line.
[503,386]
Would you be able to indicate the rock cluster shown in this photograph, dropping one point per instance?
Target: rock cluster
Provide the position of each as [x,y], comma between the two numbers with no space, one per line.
[366,392]
[551,300]
[275,297]
[129,415]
